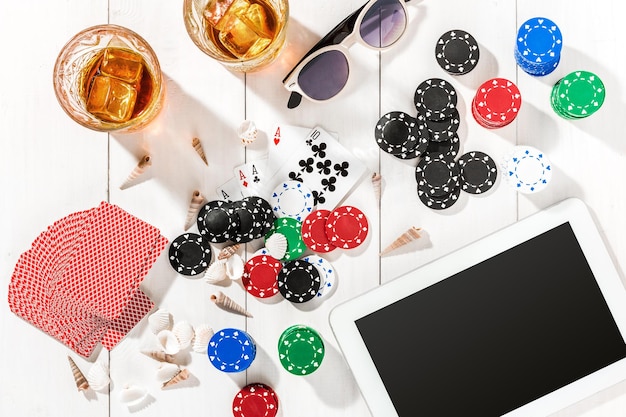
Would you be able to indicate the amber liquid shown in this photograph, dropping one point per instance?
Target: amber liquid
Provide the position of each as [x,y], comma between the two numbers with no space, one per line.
[144,87]
[244,34]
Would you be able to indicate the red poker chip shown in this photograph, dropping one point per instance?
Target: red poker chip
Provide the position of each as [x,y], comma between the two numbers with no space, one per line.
[314,231]
[346,227]
[260,276]
[496,103]
[255,400]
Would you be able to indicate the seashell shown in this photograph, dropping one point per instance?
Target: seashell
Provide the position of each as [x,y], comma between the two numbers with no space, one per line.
[403,239]
[141,167]
[201,338]
[79,377]
[226,303]
[132,395]
[182,375]
[184,333]
[247,132]
[98,376]
[216,273]
[197,145]
[159,355]
[197,201]
[234,267]
[160,320]
[167,371]
[168,342]
[376,184]
[228,251]
[276,245]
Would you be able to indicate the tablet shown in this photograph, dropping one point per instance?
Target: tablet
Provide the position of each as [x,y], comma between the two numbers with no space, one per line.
[523,322]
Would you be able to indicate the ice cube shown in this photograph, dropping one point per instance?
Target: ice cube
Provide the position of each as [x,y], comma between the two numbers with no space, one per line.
[123,64]
[241,40]
[256,18]
[111,99]
[215,12]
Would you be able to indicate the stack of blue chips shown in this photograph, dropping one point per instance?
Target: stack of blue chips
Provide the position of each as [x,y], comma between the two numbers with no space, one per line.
[538,46]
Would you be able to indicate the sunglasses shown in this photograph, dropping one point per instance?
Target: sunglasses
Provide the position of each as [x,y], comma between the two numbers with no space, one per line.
[323,72]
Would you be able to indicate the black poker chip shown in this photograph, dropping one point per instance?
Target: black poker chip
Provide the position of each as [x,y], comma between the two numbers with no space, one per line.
[478,172]
[457,52]
[437,174]
[298,281]
[190,254]
[441,130]
[265,215]
[450,147]
[217,221]
[395,133]
[246,222]
[423,139]
[436,99]
[440,202]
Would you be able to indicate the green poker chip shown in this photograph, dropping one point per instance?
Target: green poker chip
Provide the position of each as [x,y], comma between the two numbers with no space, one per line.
[292,230]
[578,95]
[300,350]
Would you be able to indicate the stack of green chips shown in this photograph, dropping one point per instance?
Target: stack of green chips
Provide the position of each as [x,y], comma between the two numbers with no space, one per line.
[577,95]
[300,349]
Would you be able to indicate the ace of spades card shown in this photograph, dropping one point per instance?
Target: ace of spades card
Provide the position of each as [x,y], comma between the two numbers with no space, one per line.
[324,165]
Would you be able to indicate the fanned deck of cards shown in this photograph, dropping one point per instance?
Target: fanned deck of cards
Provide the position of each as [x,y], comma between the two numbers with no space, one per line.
[79,281]
[311,156]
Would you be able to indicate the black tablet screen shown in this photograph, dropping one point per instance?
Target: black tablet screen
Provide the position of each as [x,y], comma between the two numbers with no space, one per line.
[497,335]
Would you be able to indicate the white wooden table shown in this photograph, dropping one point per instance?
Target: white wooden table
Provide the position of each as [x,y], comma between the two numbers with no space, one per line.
[50,167]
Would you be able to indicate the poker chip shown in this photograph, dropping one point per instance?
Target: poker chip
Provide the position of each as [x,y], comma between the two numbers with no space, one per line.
[314,232]
[437,174]
[217,222]
[266,214]
[231,350]
[442,130]
[255,400]
[496,103]
[292,199]
[578,95]
[189,254]
[457,52]
[440,202]
[435,99]
[448,147]
[292,230]
[260,276]
[298,281]
[478,172]
[327,274]
[396,133]
[538,46]
[528,169]
[300,350]
[248,223]
[346,227]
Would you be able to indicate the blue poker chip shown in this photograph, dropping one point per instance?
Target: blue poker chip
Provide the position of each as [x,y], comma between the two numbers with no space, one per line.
[231,350]
[539,45]
[528,169]
[292,199]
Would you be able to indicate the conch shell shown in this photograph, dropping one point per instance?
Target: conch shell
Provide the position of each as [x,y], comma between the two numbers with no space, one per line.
[197,145]
[141,167]
[197,201]
[226,303]
[247,132]
[403,239]
[159,355]
[79,377]
[182,375]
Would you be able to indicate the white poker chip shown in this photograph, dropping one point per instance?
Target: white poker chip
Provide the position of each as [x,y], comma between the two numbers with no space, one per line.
[292,199]
[327,275]
[527,169]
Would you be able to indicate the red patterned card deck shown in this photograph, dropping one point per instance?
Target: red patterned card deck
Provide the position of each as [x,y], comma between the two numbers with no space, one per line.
[79,281]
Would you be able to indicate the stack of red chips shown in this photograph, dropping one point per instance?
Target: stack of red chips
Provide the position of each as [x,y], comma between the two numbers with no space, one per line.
[496,103]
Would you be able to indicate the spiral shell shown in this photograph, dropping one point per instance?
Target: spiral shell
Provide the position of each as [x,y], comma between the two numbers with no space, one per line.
[98,376]
[197,145]
[79,377]
[201,338]
[184,333]
[168,342]
[410,235]
[182,375]
[196,203]
[138,171]
[226,303]
[228,251]
[160,320]
[159,355]
[276,245]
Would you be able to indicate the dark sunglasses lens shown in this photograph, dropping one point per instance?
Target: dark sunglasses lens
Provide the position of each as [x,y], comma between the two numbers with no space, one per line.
[383,23]
[324,76]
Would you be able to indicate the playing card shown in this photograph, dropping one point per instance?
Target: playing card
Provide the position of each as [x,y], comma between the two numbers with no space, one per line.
[138,307]
[251,177]
[284,140]
[230,190]
[323,165]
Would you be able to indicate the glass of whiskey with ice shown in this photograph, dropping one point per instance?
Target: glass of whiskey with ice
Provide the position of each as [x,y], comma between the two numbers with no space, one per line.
[244,35]
[108,78]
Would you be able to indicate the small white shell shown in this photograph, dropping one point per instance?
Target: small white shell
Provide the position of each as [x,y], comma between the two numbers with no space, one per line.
[167,371]
[203,335]
[160,320]
[276,245]
[247,132]
[132,395]
[168,342]
[234,267]
[216,272]
[184,333]
[98,376]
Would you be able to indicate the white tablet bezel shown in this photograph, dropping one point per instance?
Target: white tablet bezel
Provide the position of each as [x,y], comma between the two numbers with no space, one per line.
[342,318]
